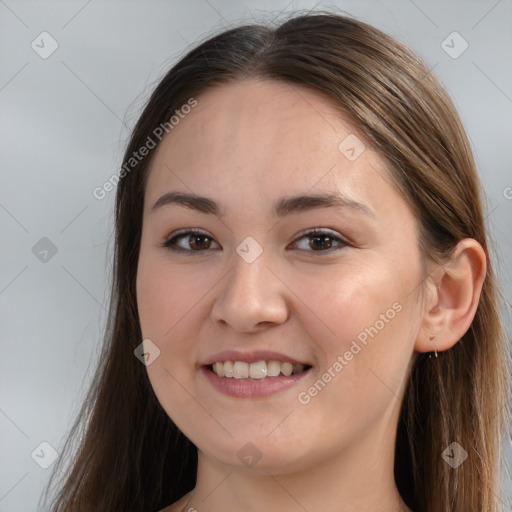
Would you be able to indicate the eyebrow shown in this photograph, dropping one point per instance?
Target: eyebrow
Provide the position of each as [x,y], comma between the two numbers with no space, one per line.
[283,207]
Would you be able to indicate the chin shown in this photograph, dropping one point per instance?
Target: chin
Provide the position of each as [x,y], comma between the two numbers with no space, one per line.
[257,454]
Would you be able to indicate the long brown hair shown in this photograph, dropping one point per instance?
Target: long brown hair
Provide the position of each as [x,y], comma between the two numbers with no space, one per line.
[129,455]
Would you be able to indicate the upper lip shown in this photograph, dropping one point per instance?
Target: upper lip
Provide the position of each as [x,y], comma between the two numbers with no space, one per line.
[251,357]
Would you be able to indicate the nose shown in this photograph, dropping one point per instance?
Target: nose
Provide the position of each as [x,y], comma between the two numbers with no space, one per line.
[251,297]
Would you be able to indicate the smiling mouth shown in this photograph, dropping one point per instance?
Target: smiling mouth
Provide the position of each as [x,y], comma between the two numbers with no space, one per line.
[256,371]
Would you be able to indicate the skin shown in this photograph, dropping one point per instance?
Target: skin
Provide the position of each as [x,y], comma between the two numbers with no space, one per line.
[245,145]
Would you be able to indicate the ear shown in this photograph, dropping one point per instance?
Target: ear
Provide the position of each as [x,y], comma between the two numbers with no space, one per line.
[453,292]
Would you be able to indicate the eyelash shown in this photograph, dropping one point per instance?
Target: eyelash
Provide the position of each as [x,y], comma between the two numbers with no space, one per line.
[309,234]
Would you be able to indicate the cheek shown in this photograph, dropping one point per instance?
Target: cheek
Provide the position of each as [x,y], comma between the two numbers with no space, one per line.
[172,306]
[344,302]
[363,320]
[164,296]
[153,297]
[168,306]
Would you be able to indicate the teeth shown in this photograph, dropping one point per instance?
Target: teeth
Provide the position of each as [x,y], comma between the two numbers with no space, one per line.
[240,370]
[259,370]
[297,368]
[286,369]
[273,368]
[228,369]
[218,368]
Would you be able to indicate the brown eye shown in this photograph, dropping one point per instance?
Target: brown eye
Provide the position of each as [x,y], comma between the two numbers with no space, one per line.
[199,242]
[190,240]
[322,241]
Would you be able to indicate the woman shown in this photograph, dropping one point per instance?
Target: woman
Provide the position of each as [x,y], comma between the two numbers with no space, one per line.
[304,314]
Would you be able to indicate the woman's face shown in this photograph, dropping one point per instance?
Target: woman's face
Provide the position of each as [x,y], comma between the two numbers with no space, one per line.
[253,286]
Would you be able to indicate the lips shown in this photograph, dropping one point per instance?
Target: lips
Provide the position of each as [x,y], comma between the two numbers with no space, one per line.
[255,374]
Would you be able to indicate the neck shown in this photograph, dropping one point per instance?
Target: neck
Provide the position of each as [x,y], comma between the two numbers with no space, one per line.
[345,482]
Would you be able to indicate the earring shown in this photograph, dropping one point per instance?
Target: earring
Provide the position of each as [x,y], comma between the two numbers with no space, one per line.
[431,337]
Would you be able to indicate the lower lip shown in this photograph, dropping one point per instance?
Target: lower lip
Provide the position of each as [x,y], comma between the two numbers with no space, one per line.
[252,388]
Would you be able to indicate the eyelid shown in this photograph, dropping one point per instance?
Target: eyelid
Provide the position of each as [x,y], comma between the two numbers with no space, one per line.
[184,233]
[311,232]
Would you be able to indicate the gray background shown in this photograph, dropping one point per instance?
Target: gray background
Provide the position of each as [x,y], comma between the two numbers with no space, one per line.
[63,127]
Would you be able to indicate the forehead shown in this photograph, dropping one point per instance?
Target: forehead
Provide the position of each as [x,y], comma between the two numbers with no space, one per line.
[257,140]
